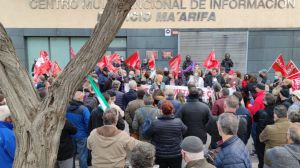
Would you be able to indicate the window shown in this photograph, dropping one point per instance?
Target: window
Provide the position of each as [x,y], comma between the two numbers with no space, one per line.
[58,48]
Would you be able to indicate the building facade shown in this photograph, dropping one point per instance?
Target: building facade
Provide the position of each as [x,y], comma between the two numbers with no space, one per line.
[254,32]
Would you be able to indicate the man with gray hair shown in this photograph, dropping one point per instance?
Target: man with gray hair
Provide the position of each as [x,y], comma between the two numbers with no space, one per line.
[109,145]
[233,152]
[131,94]
[119,95]
[141,114]
[170,96]
[286,155]
[143,155]
[193,153]
[294,115]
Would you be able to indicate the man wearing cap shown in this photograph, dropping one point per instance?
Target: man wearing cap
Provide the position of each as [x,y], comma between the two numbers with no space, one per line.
[258,102]
[7,139]
[193,154]
[296,100]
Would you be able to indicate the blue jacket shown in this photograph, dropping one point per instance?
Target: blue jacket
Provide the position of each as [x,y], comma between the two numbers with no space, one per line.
[167,134]
[79,116]
[7,145]
[176,104]
[233,154]
[128,97]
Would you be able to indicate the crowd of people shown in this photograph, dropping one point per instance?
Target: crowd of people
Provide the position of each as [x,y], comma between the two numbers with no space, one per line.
[169,129]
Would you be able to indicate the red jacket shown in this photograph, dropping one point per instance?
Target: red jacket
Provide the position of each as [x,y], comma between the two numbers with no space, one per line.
[258,103]
[218,107]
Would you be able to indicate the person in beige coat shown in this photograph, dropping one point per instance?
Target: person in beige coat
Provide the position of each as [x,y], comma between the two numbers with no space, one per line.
[109,145]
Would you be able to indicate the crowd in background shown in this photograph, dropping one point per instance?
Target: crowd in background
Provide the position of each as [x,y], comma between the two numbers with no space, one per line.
[170,129]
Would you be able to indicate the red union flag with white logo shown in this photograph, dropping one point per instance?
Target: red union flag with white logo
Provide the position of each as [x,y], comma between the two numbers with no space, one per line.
[291,68]
[296,80]
[279,65]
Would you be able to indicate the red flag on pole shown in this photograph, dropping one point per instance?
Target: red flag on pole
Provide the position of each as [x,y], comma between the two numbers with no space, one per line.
[42,66]
[133,61]
[103,62]
[174,64]
[291,68]
[279,65]
[296,84]
[115,58]
[56,69]
[73,54]
[151,62]
[294,76]
[211,61]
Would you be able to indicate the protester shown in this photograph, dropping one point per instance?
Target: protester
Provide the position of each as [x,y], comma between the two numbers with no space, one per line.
[167,133]
[119,95]
[296,100]
[234,153]
[263,74]
[102,78]
[294,115]
[65,151]
[181,98]
[169,93]
[112,104]
[108,144]
[214,78]
[283,98]
[147,112]
[79,116]
[258,102]
[275,135]
[90,100]
[143,156]
[158,84]
[188,62]
[287,155]
[131,94]
[97,115]
[218,107]
[227,63]
[7,139]
[263,118]
[193,153]
[195,115]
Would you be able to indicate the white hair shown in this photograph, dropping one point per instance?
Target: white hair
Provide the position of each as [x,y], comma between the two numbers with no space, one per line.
[132,84]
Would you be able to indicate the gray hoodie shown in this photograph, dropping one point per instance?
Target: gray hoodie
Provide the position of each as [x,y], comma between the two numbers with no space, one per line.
[284,156]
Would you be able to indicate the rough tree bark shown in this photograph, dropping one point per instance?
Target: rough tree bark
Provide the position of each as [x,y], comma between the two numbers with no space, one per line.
[38,123]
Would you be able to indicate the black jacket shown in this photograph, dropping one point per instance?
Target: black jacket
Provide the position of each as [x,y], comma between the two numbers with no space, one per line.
[167,134]
[128,97]
[212,130]
[243,112]
[208,81]
[195,116]
[227,64]
[97,121]
[65,150]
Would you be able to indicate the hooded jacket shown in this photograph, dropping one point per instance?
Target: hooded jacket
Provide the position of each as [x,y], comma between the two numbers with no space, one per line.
[7,145]
[284,156]
[109,147]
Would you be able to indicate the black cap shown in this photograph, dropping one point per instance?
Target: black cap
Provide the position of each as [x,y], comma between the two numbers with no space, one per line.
[260,86]
[285,93]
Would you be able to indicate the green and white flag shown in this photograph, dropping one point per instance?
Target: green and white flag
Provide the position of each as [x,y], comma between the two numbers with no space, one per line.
[103,103]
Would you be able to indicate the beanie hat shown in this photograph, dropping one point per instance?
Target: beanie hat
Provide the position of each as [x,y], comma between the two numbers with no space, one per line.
[260,86]
[192,144]
[4,112]
[285,93]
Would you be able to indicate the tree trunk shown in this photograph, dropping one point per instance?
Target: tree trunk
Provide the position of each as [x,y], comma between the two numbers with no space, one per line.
[38,123]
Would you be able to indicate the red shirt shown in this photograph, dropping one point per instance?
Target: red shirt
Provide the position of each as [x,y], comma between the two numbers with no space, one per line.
[258,103]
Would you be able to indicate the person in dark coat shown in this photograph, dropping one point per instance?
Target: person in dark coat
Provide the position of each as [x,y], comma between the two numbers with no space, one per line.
[263,118]
[96,120]
[231,105]
[119,95]
[131,95]
[227,63]
[102,78]
[284,96]
[167,133]
[214,78]
[65,151]
[234,153]
[188,62]
[195,115]
[170,97]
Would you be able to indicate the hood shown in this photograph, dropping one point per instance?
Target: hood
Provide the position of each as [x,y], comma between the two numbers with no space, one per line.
[294,149]
[74,105]
[108,135]
[6,125]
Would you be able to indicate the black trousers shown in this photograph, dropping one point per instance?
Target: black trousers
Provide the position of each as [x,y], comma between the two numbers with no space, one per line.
[169,163]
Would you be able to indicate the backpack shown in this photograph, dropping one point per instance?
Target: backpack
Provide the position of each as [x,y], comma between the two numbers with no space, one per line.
[147,122]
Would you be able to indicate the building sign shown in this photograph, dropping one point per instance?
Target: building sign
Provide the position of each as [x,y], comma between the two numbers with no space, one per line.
[156,13]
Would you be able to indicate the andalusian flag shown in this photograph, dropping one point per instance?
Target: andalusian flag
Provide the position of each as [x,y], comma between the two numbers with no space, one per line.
[103,103]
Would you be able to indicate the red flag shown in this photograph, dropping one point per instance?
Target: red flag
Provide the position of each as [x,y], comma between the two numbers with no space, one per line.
[296,84]
[174,64]
[133,61]
[291,68]
[294,76]
[47,62]
[73,54]
[279,65]
[210,61]
[151,62]
[42,66]
[103,62]
[56,69]
[115,58]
